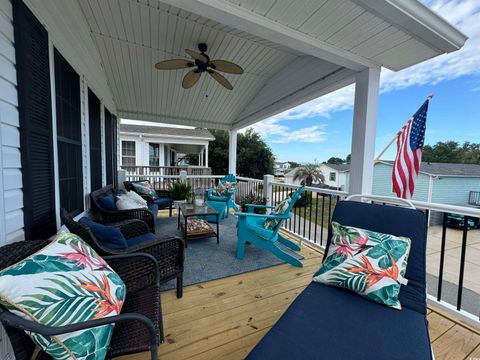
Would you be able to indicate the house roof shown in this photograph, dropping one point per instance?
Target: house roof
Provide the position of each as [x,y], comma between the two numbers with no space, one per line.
[447,169]
[338,167]
[198,133]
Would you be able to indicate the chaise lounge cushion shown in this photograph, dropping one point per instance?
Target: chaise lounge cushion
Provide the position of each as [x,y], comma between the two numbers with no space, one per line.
[109,236]
[326,322]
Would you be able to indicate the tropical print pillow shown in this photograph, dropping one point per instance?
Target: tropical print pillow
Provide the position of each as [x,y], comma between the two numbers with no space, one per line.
[145,188]
[280,208]
[64,283]
[369,263]
[224,187]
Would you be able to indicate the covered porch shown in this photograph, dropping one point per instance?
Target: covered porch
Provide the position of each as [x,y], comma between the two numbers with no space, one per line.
[290,54]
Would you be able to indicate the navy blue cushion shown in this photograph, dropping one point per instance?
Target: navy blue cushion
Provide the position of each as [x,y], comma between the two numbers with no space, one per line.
[140,239]
[329,323]
[163,201]
[109,236]
[397,221]
[107,202]
[154,209]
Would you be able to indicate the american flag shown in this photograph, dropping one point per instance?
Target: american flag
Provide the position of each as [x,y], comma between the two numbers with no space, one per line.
[409,153]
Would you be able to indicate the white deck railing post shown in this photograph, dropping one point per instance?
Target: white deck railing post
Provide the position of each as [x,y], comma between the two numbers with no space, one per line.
[364,131]
[268,189]
[232,152]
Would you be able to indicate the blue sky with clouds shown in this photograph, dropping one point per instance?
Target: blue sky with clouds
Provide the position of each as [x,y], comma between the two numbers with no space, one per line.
[322,128]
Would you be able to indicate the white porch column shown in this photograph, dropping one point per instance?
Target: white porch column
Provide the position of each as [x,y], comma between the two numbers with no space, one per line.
[206,155]
[364,131]
[232,152]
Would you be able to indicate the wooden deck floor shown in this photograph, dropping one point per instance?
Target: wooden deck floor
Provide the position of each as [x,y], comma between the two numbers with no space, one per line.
[225,318]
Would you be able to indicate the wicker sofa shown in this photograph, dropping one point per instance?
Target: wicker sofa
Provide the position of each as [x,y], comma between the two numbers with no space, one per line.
[138,327]
[168,252]
[114,216]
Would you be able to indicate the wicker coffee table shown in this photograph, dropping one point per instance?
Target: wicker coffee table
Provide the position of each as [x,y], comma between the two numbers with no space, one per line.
[190,210]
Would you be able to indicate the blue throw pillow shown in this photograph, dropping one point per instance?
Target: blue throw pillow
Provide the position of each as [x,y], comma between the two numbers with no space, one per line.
[109,236]
[107,202]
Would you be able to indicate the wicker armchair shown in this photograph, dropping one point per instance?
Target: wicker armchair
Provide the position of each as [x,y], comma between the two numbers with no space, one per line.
[139,326]
[168,252]
[109,216]
[162,194]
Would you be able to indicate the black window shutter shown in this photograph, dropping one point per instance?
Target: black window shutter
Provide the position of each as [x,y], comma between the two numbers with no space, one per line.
[36,137]
[95,141]
[114,151]
[109,146]
[69,135]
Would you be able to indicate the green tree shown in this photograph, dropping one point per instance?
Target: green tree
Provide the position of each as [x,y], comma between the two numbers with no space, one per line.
[254,157]
[294,164]
[218,152]
[452,152]
[335,160]
[348,159]
[192,159]
[309,174]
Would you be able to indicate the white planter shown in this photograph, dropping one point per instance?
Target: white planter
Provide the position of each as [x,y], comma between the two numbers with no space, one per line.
[198,202]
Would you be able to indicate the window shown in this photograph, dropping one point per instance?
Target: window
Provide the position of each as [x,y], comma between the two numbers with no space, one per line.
[95,141]
[69,135]
[154,154]
[128,153]
[333,176]
[36,135]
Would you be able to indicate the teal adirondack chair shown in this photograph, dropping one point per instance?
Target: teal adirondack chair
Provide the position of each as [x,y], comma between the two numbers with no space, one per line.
[250,229]
[227,198]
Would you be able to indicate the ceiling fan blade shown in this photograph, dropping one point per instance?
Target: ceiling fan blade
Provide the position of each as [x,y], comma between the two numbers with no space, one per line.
[227,66]
[190,79]
[221,79]
[173,64]
[196,55]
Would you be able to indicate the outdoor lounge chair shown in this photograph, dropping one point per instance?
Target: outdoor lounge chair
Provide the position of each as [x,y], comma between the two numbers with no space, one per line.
[250,229]
[164,200]
[327,322]
[110,215]
[138,327]
[228,198]
[168,252]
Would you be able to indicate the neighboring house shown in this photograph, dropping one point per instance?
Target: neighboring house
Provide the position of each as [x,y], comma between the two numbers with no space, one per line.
[162,146]
[281,168]
[335,175]
[437,182]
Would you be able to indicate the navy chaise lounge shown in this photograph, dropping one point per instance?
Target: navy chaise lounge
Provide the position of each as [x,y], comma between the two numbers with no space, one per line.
[330,323]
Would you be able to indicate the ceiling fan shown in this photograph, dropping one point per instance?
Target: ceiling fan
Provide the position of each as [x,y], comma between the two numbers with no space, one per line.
[201,63]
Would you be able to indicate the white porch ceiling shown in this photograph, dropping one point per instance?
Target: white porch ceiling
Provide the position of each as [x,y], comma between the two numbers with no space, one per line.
[286,70]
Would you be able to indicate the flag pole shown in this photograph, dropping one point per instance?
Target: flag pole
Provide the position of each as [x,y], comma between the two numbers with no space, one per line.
[377,159]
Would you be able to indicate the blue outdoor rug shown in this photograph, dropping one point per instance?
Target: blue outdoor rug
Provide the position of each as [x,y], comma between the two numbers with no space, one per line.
[205,260]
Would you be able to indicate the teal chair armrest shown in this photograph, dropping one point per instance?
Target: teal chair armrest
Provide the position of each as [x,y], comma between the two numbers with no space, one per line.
[265,216]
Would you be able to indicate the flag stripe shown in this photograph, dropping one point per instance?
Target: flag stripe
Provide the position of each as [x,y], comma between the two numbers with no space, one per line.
[410,141]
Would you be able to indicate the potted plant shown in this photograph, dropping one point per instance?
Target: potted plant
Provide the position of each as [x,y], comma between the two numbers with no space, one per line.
[255,200]
[181,192]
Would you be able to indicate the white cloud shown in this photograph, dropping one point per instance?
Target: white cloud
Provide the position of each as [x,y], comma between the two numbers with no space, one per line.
[309,135]
[464,14]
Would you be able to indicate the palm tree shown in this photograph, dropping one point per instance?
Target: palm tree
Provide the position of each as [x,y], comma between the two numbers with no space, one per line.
[308,174]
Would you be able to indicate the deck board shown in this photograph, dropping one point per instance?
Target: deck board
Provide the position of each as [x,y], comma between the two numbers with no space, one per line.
[225,318]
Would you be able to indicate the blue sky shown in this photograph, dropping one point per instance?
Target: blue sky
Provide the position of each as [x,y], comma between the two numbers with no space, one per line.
[322,128]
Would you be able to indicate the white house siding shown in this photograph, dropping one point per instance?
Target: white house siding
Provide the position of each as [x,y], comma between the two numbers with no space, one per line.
[11,204]
[11,197]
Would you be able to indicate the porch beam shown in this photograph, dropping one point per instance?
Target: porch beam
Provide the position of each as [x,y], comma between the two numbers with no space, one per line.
[364,131]
[206,155]
[256,24]
[232,152]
